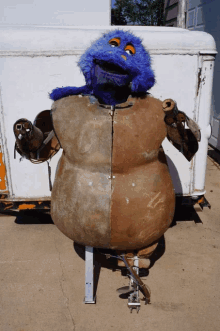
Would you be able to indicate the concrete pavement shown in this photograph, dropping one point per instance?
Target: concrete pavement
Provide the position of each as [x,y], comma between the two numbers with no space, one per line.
[42,276]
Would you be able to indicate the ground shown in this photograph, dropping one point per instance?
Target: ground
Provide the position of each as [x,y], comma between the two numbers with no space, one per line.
[42,276]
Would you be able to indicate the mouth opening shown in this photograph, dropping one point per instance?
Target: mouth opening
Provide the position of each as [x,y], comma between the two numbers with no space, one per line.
[111,67]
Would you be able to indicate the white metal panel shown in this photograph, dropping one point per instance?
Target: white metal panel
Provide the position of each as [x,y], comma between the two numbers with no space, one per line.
[25,85]
[66,40]
[34,61]
[171,72]
[203,119]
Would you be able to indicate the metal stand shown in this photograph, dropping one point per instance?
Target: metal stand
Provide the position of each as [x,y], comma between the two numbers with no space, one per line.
[135,285]
[89,275]
[134,299]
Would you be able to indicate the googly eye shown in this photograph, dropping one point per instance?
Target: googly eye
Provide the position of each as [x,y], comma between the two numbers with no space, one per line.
[129,49]
[115,42]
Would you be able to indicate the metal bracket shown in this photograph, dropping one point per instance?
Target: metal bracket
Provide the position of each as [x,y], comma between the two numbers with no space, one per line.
[89,275]
[204,203]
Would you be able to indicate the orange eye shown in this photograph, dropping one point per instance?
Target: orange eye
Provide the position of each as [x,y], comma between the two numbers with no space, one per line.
[130,49]
[115,42]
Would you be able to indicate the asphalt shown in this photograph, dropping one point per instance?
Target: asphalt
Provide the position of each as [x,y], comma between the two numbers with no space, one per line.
[42,275]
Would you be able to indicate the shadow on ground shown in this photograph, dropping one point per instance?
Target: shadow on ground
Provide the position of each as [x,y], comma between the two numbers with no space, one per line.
[184,213]
[215,155]
[32,217]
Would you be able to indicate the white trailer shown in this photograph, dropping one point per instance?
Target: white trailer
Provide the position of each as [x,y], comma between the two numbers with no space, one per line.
[35,60]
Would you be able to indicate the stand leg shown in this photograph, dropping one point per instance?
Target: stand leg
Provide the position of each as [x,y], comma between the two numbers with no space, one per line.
[133,299]
[89,275]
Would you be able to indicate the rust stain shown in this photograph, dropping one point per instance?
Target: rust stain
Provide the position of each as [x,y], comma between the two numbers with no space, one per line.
[8,205]
[26,206]
[2,174]
[20,205]
[196,190]
[199,80]
[201,200]
[4,196]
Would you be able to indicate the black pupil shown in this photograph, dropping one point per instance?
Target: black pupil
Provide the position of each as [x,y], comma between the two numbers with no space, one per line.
[114,43]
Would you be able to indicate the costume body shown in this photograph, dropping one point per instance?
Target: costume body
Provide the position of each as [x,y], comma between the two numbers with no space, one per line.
[112,187]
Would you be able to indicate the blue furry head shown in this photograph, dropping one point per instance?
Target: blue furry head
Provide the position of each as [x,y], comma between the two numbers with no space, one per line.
[125,50]
[114,66]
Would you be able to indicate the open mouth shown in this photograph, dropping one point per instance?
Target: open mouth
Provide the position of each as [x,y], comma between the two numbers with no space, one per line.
[111,67]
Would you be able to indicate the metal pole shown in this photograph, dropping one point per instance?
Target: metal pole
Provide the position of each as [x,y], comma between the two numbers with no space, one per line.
[181,23]
[89,273]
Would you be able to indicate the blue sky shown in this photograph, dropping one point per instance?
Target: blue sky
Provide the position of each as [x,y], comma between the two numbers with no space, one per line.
[113,2]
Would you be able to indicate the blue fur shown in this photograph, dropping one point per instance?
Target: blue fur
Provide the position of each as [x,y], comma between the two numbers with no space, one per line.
[62,92]
[138,65]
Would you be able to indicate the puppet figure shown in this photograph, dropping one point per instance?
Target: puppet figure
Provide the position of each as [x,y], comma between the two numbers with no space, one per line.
[112,187]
